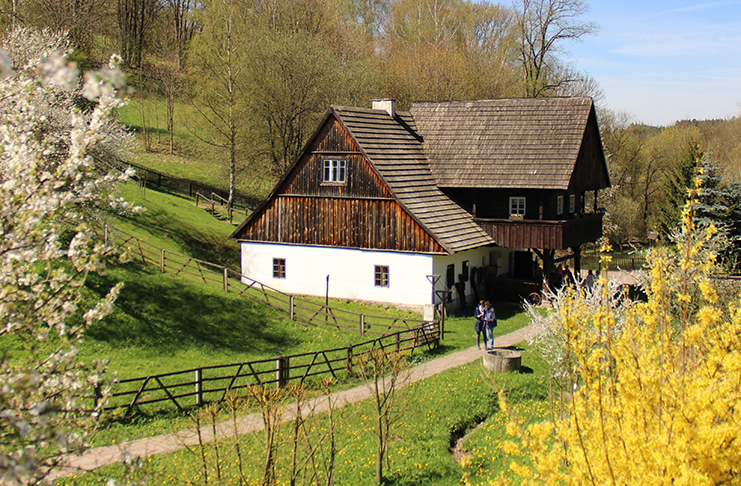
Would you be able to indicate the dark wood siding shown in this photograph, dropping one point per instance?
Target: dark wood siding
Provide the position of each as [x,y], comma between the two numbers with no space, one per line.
[334,143]
[361,213]
[589,173]
[551,235]
[350,223]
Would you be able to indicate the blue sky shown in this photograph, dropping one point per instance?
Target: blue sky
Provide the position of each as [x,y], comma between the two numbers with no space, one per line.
[664,60]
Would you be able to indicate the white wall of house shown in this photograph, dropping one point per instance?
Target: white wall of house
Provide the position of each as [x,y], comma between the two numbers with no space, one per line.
[477,257]
[352,271]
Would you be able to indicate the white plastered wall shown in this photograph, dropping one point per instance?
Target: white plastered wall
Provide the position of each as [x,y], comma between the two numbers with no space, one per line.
[352,271]
[477,257]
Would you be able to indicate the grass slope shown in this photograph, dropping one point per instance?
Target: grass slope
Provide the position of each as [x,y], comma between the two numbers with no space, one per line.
[435,413]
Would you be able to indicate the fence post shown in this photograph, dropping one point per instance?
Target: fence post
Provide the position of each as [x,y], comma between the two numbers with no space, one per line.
[281,371]
[98,394]
[398,344]
[290,307]
[199,387]
[226,279]
[362,325]
[348,365]
[162,260]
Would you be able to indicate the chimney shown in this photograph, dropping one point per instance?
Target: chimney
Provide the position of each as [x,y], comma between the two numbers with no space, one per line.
[389,106]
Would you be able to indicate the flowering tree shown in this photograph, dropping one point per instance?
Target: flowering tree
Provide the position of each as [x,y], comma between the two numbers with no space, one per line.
[655,386]
[48,184]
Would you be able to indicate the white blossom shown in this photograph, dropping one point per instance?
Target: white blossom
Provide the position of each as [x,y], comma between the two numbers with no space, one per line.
[51,186]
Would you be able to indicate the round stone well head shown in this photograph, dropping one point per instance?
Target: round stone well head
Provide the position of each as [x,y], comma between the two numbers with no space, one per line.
[502,360]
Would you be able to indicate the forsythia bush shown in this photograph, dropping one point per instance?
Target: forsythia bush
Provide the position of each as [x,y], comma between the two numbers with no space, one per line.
[654,388]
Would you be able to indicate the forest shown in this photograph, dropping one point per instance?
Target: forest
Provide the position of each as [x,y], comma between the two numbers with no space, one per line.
[251,78]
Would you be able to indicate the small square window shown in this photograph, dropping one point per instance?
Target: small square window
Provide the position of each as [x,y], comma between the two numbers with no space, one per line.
[559,205]
[572,203]
[335,171]
[279,268]
[517,206]
[382,276]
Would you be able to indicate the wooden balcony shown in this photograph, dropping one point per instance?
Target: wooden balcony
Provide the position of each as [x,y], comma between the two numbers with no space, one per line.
[544,234]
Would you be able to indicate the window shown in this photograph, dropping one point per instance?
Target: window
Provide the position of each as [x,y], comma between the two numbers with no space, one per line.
[381,276]
[517,206]
[464,271]
[572,203]
[559,205]
[279,268]
[450,276]
[335,171]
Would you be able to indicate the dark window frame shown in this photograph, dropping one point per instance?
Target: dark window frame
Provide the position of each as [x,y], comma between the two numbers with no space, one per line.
[279,268]
[381,276]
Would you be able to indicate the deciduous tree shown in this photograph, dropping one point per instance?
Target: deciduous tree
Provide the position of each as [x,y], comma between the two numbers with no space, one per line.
[48,246]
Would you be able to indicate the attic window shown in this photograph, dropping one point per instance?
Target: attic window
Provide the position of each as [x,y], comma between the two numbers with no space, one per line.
[559,205]
[517,206]
[335,171]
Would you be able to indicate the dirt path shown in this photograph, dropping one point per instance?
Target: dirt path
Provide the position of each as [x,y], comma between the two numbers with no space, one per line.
[102,456]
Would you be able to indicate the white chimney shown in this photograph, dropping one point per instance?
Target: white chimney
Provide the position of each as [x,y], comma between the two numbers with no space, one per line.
[389,106]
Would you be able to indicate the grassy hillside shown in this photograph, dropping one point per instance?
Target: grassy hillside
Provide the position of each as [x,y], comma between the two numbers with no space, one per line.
[194,157]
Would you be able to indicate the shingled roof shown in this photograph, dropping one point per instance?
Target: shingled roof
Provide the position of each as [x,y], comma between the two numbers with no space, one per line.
[398,156]
[507,143]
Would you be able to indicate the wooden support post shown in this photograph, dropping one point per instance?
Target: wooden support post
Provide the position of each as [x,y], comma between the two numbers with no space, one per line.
[162,260]
[281,371]
[199,386]
[290,307]
[226,279]
[398,344]
[348,365]
[362,325]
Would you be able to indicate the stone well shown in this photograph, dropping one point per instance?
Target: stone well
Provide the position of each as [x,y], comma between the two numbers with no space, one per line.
[502,360]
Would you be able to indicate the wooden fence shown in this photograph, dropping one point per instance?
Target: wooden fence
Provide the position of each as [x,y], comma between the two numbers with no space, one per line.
[219,207]
[242,202]
[619,262]
[197,386]
[300,310]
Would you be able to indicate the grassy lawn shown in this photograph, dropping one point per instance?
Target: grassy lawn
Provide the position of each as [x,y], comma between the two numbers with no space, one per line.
[193,157]
[435,413]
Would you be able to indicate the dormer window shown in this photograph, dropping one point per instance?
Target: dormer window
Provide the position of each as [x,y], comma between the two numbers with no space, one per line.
[517,206]
[335,171]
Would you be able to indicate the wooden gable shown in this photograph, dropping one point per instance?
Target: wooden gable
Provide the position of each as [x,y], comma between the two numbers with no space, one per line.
[590,171]
[360,213]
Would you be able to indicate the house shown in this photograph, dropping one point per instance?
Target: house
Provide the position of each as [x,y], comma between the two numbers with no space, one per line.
[379,201]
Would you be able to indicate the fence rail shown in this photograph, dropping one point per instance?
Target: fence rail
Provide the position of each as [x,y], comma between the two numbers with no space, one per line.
[242,202]
[619,262]
[200,385]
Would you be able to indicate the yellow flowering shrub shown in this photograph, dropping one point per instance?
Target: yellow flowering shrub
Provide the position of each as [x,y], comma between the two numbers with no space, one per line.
[654,387]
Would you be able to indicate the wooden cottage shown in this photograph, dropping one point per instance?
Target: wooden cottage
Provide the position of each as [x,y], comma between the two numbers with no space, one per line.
[380,200]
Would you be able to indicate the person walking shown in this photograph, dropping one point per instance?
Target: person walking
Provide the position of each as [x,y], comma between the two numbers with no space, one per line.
[479,325]
[490,322]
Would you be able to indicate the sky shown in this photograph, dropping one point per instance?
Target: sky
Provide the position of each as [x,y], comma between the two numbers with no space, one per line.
[664,60]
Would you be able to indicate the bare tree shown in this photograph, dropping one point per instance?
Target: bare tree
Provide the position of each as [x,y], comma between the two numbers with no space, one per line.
[135,17]
[385,372]
[183,26]
[219,80]
[544,26]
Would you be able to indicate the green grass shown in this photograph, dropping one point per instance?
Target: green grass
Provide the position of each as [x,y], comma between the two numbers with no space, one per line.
[435,414]
[193,158]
